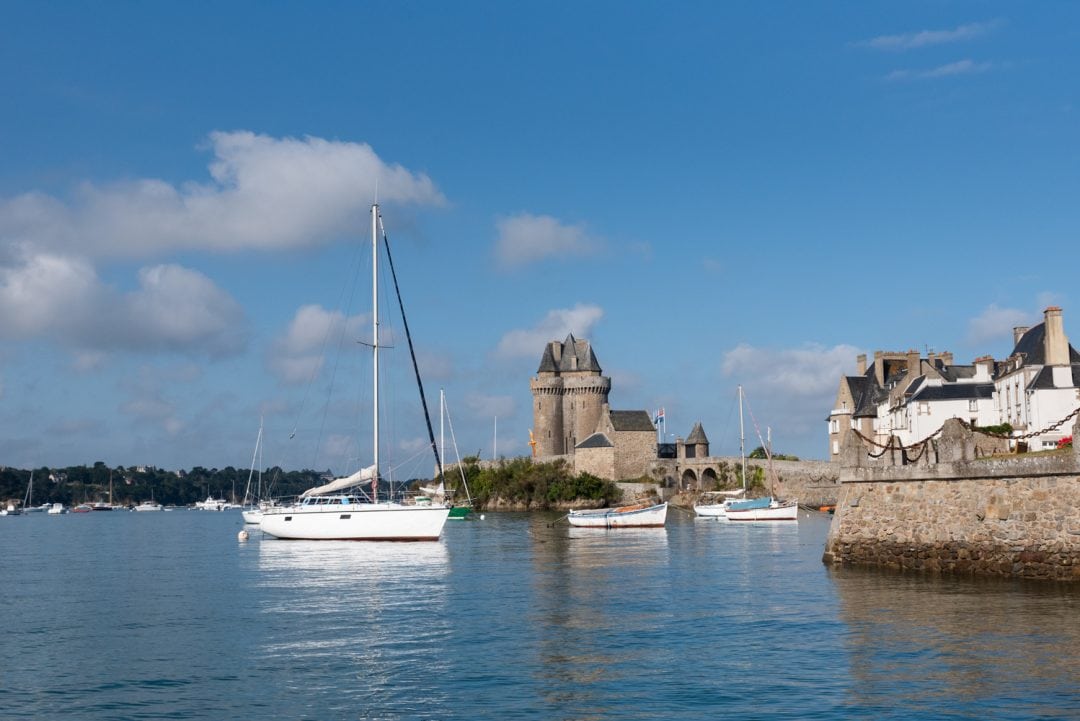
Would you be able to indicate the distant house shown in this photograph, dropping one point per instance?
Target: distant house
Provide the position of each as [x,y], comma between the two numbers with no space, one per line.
[910,397]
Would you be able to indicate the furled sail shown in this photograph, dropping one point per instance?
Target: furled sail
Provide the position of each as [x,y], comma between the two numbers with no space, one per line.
[361,476]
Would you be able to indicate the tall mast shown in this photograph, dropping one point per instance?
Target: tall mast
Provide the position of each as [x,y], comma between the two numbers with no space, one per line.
[742,448]
[442,437]
[375,341]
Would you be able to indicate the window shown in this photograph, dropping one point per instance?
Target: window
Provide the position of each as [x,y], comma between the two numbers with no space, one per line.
[834,426]
[835,447]
[973,405]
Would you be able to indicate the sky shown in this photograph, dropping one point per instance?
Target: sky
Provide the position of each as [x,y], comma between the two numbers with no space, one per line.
[713,194]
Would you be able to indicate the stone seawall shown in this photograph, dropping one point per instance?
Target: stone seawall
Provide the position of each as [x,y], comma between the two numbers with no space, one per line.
[811,483]
[1013,516]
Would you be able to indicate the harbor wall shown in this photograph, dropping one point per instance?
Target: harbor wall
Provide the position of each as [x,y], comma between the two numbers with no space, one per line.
[811,483]
[954,511]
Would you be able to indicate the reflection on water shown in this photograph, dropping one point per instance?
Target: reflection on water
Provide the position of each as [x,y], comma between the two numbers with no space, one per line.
[133,616]
[964,647]
[596,605]
[372,612]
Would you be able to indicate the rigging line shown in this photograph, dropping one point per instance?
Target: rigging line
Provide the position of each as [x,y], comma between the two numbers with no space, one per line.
[757,430]
[412,352]
[461,468]
[326,338]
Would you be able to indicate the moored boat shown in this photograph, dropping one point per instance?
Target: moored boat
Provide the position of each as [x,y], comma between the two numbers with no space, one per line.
[767,509]
[642,515]
[56,509]
[714,504]
[328,512]
[149,506]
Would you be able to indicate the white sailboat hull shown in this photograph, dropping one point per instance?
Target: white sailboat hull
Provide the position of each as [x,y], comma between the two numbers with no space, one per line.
[356,522]
[775,512]
[711,510]
[625,517]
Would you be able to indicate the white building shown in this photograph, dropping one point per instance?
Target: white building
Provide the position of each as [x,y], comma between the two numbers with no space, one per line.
[1038,385]
[904,395]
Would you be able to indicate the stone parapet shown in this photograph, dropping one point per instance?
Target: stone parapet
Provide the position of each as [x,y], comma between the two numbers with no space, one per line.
[1015,516]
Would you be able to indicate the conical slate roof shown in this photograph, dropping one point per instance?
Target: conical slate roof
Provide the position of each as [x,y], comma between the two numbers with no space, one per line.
[575,355]
[697,435]
[547,361]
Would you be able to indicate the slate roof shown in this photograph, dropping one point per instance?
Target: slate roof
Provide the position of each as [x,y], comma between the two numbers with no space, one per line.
[632,421]
[547,361]
[955,392]
[1045,378]
[1033,347]
[577,355]
[864,392]
[697,435]
[596,440]
[955,373]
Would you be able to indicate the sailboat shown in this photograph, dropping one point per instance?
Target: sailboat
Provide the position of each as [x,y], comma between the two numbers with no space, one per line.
[438,493]
[765,508]
[326,512]
[717,506]
[253,506]
[731,508]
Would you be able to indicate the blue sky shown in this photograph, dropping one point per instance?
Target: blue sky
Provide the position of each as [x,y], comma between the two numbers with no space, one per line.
[712,193]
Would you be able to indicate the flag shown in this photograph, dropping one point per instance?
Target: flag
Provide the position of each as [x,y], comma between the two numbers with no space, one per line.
[658,417]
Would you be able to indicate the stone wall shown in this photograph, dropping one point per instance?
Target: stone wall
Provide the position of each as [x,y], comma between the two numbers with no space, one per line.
[598,461]
[636,449]
[1016,516]
[811,483]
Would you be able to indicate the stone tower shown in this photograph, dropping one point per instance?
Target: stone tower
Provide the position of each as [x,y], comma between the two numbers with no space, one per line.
[569,394]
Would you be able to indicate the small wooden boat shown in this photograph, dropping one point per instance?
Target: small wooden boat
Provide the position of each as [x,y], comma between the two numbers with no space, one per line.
[642,515]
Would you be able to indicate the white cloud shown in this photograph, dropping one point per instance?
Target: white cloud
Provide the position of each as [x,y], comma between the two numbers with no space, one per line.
[927,38]
[578,320]
[177,308]
[995,324]
[46,293]
[264,193]
[789,389]
[960,67]
[812,370]
[527,238]
[62,298]
[298,354]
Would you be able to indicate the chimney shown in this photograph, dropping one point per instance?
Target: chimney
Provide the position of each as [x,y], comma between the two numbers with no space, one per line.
[860,364]
[879,368]
[984,368]
[912,365]
[947,358]
[1056,345]
[556,351]
[1018,333]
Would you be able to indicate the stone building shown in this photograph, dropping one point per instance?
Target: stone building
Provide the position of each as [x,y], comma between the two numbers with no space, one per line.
[569,393]
[623,446]
[573,421]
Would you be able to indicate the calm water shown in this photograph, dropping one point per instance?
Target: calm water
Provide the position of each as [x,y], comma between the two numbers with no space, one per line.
[168,616]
